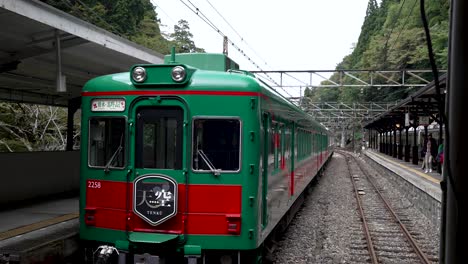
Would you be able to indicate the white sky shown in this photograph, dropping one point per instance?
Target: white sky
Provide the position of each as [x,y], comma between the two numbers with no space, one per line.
[284,35]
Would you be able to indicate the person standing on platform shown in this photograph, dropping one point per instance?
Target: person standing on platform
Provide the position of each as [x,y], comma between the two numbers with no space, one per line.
[434,147]
[427,163]
[423,153]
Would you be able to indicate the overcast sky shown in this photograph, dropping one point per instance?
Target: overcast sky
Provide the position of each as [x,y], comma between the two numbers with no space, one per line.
[277,34]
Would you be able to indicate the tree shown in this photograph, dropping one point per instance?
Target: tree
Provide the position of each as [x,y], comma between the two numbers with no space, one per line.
[149,33]
[135,20]
[25,127]
[182,38]
[392,37]
[121,17]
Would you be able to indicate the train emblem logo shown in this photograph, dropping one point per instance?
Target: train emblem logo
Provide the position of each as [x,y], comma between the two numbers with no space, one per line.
[155,198]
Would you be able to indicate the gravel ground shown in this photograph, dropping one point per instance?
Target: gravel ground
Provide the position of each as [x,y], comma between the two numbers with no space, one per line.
[321,231]
[328,224]
[417,223]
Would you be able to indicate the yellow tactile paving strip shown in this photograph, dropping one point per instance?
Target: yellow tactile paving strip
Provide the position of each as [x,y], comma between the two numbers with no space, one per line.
[427,177]
[28,228]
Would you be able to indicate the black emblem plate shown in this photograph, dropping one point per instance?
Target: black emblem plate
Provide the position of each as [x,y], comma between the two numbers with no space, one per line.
[155,198]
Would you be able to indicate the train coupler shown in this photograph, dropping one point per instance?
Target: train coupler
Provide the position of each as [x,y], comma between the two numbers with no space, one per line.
[192,253]
[105,252]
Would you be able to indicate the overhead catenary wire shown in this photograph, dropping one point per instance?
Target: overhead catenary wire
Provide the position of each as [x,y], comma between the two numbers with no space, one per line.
[205,19]
[438,93]
[237,33]
[295,78]
[391,31]
[165,13]
[281,87]
[448,180]
[394,23]
[404,25]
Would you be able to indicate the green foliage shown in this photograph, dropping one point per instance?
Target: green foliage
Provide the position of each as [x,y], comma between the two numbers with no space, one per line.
[135,20]
[326,95]
[392,37]
[26,127]
[182,38]
[149,34]
[118,16]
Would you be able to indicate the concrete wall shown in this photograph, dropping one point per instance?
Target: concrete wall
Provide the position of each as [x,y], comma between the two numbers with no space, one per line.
[38,174]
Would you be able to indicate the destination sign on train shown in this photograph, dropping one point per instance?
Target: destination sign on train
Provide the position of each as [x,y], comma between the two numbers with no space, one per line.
[108,105]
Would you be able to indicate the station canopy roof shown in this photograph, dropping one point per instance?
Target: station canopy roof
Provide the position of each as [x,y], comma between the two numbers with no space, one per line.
[423,103]
[28,55]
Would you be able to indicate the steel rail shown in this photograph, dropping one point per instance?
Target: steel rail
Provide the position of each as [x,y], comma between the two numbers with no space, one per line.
[422,256]
[370,244]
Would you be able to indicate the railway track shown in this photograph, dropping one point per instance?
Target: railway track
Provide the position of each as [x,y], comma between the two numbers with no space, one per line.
[387,239]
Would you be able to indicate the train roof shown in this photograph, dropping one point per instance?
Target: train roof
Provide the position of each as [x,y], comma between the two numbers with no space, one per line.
[200,76]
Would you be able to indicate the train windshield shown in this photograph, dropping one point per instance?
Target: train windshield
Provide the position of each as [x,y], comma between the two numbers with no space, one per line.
[216,145]
[106,142]
[159,138]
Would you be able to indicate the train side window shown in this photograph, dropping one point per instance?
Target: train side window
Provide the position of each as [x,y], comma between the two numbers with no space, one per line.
[216,144]
[272,161]
[106,142]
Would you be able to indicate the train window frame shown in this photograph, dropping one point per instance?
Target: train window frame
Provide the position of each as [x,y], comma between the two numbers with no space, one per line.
[272,149]
[192,143]
[139,136]
[124,143]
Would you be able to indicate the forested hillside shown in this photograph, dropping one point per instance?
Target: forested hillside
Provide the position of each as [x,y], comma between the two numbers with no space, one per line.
[25,127]
[136,20]
[392,37]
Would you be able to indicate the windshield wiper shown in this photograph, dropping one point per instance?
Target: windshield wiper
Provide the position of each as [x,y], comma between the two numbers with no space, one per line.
[116,153]
[216,172]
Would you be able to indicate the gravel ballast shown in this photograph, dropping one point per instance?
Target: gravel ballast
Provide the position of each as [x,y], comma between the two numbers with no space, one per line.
[328,228]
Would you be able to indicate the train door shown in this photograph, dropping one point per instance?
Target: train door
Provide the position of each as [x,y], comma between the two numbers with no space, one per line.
[264,171]
[159,141]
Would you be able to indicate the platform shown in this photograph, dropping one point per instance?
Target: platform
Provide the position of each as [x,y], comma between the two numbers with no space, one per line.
[423,189]
[40,231]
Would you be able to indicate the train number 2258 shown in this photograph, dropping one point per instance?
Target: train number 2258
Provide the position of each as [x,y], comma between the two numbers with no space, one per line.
[94,184]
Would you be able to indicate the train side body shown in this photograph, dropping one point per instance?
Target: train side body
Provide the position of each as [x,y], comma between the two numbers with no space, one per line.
[147,185]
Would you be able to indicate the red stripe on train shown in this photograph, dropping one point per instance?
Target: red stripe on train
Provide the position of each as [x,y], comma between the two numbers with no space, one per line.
[208,208]
[172,92]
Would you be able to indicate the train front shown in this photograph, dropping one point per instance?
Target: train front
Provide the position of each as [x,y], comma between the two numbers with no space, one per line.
[163,173]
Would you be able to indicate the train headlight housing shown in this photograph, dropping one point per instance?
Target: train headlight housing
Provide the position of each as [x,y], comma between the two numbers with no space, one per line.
[178,74]
[139,74]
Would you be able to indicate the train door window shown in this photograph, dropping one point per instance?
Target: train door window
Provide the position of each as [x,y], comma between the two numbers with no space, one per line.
[299,145]
[272,146]
[216,144]
[262,142]
[282,147]
[287,152]
[159,138]
[295,151]
[106,142]
[277,145]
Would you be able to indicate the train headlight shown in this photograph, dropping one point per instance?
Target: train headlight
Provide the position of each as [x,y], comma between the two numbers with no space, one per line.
[178,73]
[139,74]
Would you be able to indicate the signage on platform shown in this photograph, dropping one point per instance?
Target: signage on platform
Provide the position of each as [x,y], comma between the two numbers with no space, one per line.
[423,120]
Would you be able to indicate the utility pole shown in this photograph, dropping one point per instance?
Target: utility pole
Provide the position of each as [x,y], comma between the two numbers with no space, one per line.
[456,143]
[225,45]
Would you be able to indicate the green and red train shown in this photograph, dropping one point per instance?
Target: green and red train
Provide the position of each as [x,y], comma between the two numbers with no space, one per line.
[192,160]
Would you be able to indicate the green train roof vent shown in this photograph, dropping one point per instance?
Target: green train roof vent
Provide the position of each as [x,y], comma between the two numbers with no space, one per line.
[204,61]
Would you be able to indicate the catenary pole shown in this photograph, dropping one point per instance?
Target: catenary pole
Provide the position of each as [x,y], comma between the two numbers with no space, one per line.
[453,229]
